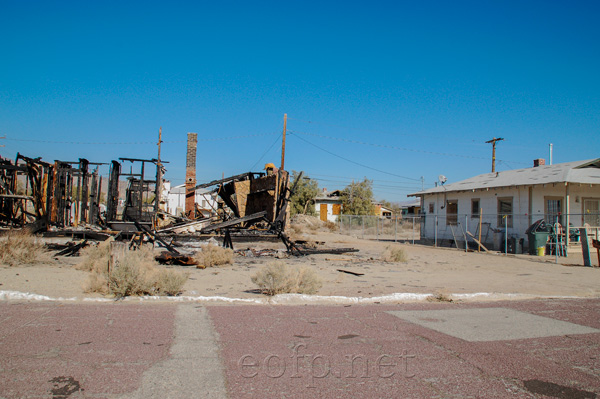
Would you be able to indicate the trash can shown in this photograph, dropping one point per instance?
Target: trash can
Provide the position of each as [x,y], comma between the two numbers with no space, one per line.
[537,240]
[515,245]
[537,234]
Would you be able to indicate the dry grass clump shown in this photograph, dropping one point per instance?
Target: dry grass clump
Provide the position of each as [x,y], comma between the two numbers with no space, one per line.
[95,257]
[439,297]
[133,273]
[22,248]
[394,254]
[279,278]
[331,226]
[212,255]
[295,229]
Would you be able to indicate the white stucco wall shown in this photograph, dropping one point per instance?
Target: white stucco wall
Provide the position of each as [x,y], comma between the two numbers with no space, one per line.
[176,200]
[330,216]
[528,206]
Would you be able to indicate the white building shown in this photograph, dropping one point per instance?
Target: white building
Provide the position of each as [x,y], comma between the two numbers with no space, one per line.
[328,205]
[567,192]
[176,200]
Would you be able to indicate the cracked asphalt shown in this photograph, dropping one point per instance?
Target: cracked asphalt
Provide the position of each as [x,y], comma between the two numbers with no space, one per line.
[520,349]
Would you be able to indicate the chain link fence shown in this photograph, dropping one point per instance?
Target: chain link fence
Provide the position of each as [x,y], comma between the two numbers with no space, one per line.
[398,229]
[505,233]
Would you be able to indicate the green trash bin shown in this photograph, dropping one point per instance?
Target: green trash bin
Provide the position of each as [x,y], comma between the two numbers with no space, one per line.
[537,239]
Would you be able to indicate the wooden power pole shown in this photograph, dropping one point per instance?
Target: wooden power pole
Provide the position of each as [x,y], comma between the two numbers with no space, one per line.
[283,142]
[158,194]
[493,142]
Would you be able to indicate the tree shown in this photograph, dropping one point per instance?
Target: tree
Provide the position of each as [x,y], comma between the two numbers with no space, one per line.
[304,194]
[357,198]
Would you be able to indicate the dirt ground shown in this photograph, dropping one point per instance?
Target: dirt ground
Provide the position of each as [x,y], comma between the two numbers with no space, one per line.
[437,271]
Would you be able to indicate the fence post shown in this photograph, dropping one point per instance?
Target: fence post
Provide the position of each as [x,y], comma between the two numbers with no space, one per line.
[465,233]
[505,235]
[396,229]
[413,230]
[556,232]
[362,218]
[435,232]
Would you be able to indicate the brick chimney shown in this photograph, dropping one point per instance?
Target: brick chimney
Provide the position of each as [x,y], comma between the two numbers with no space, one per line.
[539,162]
[190,175]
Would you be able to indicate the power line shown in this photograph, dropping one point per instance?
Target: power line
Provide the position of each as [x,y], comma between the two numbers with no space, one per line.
[355,178]
[392,147]
[374,185]
[382,131]
[140,142]
[351,161]
[265,153]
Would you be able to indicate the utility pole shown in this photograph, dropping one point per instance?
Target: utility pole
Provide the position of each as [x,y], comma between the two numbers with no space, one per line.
[493,142]
[422,183]
[158,173]
[283,142]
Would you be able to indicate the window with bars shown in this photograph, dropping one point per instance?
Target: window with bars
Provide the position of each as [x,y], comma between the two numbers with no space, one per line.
[591,212]
[475,208]
[451,212]
[505,209]
[553,210]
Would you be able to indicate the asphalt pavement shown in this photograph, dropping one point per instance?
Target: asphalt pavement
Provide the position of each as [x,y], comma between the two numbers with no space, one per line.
[520,349]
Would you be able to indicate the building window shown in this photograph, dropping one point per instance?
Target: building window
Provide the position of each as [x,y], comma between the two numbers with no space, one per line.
[475,208]
[452,212]
[591,212]
[505,209]
[553,209]
[431,207]
[337,209]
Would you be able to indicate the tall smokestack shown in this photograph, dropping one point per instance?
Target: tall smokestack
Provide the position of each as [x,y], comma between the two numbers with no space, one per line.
[190,175]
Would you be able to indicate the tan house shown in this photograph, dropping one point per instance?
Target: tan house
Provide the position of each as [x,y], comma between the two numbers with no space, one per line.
[382,211]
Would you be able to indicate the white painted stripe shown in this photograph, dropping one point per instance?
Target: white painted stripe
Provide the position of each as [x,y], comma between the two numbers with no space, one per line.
[283,299]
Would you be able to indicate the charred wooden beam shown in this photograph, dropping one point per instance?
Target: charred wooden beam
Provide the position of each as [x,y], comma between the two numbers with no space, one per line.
[234,222]
[243,176]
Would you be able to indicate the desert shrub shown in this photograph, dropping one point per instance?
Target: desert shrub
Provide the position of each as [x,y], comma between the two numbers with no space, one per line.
[439,297]
[295,229]
[133,273]
[169,282]
[22,248]
[95,257]
[129,278]
[331,226]
[279,278]
[212,255]
[394,254]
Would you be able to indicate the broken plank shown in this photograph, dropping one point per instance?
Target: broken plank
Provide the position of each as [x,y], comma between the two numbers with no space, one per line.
[333,251]
[72,249]
[477,241]
[233,222]
[349,272]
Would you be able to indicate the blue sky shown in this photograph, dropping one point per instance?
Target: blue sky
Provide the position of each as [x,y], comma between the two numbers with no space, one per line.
[391,91]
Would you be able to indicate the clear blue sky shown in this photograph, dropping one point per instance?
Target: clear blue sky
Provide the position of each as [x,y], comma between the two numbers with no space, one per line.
[391,91]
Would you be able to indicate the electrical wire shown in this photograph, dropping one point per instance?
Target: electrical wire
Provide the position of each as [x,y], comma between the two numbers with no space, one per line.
[392,147]
[265,153]
[141,142]
[351,161]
